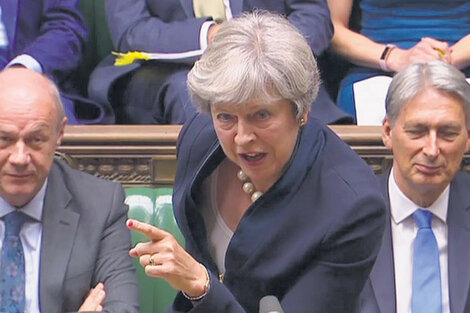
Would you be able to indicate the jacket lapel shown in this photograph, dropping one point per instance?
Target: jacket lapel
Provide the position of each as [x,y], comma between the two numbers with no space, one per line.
[382,276]
[9,19]
[458,221]
[58,233]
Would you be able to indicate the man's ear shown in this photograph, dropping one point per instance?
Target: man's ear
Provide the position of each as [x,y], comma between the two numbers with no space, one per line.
[61,131]
[467,148]
[387,133]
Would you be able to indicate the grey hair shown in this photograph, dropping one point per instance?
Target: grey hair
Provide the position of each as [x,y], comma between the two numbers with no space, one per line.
[257,56]
[55,95]
[417,77]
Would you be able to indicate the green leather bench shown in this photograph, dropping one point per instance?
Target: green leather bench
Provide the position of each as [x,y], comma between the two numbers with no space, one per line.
[153,206]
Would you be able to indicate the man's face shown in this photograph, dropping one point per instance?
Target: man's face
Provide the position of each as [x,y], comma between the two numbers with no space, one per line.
[428,141]
[29,134]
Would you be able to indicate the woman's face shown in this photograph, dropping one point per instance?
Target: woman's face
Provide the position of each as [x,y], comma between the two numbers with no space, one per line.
[258,137]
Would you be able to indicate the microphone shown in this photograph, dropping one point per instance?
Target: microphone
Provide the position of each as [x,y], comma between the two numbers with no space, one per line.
[270,304]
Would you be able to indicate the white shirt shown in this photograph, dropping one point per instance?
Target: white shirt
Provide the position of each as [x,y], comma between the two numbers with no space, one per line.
[218,233]
[404,230]
[30,236]
[3,33]
[22,59]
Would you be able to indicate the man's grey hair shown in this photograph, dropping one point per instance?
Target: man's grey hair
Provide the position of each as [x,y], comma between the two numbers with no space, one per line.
[417,77]
[258,56]
[55,96]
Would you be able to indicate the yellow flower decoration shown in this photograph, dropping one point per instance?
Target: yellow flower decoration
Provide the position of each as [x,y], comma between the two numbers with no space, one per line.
[129,57]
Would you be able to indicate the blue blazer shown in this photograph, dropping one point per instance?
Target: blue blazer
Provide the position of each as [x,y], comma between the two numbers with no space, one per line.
[53,32]
[299,241]
[378,295]
[169,26]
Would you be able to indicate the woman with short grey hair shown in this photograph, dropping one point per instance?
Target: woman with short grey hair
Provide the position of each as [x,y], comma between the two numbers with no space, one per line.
[263,58]
[269,201]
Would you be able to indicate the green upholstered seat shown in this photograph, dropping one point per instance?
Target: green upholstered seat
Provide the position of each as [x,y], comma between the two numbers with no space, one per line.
[152,205]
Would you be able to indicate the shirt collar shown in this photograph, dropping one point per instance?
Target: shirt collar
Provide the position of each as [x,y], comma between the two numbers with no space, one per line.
[401,207]
[32,209]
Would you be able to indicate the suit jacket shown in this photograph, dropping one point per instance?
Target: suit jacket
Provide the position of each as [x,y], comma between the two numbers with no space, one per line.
[169,26]
[51,31]
[84,241]
[379,292]
[299,241]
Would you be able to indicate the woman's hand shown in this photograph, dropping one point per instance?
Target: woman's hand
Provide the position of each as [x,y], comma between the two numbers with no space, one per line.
[163,257]
[426,50]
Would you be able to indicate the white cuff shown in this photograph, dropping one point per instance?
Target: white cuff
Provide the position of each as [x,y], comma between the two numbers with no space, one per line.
[203,35]
[26,61]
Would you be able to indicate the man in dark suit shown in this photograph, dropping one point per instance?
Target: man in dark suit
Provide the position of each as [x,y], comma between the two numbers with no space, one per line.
[48,36]
[74,237]
[424,261]
[155,92]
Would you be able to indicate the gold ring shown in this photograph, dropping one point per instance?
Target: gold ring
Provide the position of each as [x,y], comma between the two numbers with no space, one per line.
[151,261]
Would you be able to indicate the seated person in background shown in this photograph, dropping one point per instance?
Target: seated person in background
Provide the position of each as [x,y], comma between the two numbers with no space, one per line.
[270,201]
[424,262]
[393,34]
[46,36]
[60,236]
[154,92]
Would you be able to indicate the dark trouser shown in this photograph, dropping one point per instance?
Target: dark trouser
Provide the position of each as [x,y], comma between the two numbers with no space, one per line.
[155,93]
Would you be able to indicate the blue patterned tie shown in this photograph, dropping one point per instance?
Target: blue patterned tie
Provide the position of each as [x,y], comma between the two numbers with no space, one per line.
[427,295]
[12,284]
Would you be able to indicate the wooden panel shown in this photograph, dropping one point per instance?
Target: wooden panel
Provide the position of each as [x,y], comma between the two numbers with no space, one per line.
[133,155]
[145,155]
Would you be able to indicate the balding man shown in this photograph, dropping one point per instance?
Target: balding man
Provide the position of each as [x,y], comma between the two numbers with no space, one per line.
[62,231]
[424,261]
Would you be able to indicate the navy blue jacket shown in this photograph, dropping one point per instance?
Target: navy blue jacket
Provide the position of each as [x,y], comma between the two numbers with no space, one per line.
[310,240]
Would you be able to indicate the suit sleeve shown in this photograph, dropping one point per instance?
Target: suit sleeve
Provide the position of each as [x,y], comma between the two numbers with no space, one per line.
[312,18]
[114,267]
[62,35]
[133,27]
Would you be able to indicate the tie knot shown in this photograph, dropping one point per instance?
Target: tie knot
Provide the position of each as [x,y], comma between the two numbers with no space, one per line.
[13,222]
[423,218]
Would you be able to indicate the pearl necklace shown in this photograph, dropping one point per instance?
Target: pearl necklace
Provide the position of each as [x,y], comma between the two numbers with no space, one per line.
[248,186]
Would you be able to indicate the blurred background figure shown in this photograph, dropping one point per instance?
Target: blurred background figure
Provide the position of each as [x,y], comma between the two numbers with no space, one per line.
[392,34]
[154,92]
[270,201]
[48,36]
